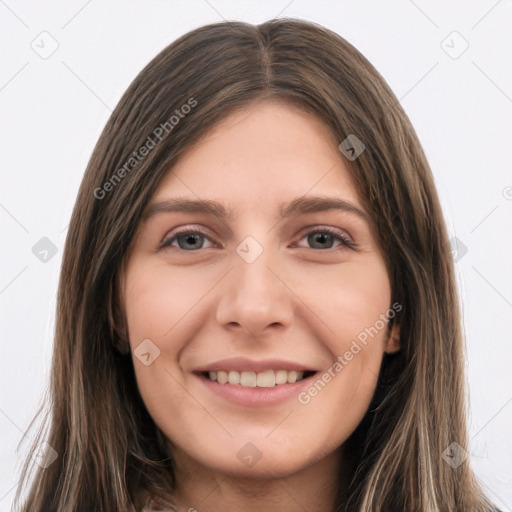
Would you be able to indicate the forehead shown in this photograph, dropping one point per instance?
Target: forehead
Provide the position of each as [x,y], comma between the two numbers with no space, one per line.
[265,152]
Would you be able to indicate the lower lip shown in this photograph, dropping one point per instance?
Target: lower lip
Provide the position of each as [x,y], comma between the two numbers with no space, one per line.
[256,397]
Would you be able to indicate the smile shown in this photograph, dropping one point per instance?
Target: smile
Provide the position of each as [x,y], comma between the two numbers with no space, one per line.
[250,379]
[255,383]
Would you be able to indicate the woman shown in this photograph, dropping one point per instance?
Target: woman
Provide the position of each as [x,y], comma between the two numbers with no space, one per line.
[257,307]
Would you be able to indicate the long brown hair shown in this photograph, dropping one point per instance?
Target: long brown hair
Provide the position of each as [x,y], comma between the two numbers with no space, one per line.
[107,445]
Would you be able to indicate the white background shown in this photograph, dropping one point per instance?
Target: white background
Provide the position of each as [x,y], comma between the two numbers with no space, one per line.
[53,110]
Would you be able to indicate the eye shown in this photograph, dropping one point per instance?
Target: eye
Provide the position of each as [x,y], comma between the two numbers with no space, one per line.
[189,239]
[324,238]
[192,239]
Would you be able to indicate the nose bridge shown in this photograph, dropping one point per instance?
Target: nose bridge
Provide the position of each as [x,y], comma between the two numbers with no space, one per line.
[254,297]
[255,278]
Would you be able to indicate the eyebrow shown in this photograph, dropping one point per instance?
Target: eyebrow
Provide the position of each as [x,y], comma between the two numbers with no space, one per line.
[294,208]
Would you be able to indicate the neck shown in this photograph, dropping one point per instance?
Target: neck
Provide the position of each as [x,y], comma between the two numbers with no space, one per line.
[313,488]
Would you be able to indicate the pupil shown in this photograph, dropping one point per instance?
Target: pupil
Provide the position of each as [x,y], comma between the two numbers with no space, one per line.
[319,238]
[190,239]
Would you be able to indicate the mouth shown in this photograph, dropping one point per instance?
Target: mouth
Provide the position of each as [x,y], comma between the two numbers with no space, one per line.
[255,383]
[251,379]
[251,389]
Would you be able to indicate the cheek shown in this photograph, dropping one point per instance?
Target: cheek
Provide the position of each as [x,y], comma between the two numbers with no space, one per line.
[163,305]
[157,298]
[166,306]
[349,300]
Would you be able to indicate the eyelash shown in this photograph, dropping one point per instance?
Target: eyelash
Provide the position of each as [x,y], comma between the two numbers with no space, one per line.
[195,231]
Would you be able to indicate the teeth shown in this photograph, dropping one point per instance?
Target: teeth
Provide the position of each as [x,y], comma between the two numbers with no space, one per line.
[281,377]
[222,377]
[266,379]
[247,379]
[234,378]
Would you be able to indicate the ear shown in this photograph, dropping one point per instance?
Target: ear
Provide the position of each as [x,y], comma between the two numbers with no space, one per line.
[393,342]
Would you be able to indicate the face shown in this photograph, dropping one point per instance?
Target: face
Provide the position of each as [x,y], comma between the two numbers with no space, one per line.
[256,264]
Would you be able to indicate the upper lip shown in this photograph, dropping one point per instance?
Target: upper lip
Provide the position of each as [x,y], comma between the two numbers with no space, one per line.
[241,363]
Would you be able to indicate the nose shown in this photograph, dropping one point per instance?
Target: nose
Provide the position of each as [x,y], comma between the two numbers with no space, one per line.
[255,298]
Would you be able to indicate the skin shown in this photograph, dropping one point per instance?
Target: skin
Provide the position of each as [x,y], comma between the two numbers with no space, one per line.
[297,301]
